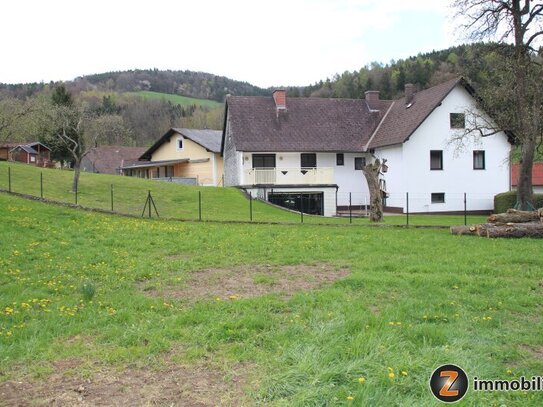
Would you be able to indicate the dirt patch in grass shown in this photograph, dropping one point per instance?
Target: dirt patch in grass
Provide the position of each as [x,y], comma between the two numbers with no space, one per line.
[249,281]
[535,351]
[173,385]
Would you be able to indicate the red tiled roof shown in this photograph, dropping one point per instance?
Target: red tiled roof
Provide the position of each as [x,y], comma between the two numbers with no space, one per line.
[537,174]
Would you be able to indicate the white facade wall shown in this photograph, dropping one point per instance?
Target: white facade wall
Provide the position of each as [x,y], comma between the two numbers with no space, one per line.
[345,177]
[458,176]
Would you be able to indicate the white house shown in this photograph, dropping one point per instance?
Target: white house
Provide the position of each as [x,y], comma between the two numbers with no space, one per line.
[308,153]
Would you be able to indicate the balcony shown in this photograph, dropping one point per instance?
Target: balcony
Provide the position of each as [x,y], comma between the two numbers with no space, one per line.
[288,176]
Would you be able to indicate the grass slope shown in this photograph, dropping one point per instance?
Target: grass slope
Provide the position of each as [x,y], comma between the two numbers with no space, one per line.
[178,99]
[414,299]
[172,200]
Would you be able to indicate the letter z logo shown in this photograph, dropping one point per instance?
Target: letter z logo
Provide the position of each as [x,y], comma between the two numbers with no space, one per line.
[449,383]
[446,391]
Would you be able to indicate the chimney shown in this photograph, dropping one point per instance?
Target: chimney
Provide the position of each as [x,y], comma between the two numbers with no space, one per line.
[372,96]
[409,93]
[280,98]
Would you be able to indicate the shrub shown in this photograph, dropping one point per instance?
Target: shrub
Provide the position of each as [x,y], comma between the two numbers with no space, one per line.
[88,290]
[507,200]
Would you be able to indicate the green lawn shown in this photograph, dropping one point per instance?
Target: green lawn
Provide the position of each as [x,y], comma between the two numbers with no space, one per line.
[174,201]
[408,301]
[178,99]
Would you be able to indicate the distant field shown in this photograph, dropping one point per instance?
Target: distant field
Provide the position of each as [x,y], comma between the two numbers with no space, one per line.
[103,310]
[178,99]
[175,201]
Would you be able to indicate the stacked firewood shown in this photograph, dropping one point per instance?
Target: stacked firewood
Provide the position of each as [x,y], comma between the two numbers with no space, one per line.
[512,223]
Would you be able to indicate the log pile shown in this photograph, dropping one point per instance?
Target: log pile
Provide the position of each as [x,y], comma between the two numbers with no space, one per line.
[511,224]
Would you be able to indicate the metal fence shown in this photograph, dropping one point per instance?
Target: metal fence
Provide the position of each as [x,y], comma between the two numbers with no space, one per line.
[207,203]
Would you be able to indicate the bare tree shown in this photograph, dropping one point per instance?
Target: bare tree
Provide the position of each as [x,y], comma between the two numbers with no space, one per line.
[71,122]
[372,171]
[514,100]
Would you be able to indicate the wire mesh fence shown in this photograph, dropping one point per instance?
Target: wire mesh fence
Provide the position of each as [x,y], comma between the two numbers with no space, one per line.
[146,198]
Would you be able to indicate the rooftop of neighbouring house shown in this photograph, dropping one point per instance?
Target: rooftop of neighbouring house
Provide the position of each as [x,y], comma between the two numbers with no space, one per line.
[108,159]
[537,174]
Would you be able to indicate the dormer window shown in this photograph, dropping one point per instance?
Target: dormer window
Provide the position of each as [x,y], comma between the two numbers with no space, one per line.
[179,144]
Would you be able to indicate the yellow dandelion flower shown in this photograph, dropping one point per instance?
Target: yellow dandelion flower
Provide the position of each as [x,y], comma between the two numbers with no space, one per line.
[404,373]
[350,398]
[390,369]
[391,375]
[509,371]
[361,380]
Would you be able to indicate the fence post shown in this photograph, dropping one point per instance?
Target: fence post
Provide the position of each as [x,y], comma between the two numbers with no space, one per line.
[111,197]
[251,205]
[407,206]
[302,207]
[9,179]
[41,184]
[200,205]
[350,209]
[149,197]
[465,209]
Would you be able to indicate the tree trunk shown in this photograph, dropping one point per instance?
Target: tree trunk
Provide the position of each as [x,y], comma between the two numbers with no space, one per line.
[524,182]
[371,172]
[513,216]
[77,171]
[517,230]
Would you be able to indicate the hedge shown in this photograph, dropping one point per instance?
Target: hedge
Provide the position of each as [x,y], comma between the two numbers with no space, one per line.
[507,200]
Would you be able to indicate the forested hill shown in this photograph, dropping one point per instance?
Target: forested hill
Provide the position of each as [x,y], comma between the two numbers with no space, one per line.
[474,61]
[424,70]
[186,83]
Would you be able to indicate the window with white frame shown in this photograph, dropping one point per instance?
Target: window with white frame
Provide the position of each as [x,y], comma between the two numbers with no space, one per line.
[179,144]
[478,159]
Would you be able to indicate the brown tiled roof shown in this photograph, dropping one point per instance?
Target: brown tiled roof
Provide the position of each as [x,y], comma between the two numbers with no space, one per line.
[401,121]
[108,159]
[309,124]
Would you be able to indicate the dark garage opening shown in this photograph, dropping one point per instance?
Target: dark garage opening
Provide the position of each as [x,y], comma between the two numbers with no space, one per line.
[311,202]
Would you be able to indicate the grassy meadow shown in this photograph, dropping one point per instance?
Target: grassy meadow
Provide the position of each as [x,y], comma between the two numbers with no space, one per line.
[175,201]
[178,99]
[84,295]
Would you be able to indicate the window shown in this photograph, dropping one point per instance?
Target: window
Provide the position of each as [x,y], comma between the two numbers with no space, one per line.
[32,158]
[436,159]
[438,197]
[458,120]
[359,163]
[179,144]
[169,171]
[308,160]
[340,159]
[263,160]
[479,160]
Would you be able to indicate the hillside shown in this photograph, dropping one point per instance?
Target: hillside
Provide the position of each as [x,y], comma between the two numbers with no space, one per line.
[178,99]
[174,201]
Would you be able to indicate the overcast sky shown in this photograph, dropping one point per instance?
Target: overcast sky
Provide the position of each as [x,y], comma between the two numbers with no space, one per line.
[266,43]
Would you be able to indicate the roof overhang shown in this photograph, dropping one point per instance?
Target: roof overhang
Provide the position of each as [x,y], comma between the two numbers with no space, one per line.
[151,164]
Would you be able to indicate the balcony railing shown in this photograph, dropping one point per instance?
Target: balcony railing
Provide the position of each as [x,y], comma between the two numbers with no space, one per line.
[288,176]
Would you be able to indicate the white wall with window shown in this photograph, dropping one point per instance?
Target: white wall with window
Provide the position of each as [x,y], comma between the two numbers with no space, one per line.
[437,172]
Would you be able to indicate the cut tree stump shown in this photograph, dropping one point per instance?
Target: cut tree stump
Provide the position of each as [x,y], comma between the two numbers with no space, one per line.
[464,230]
